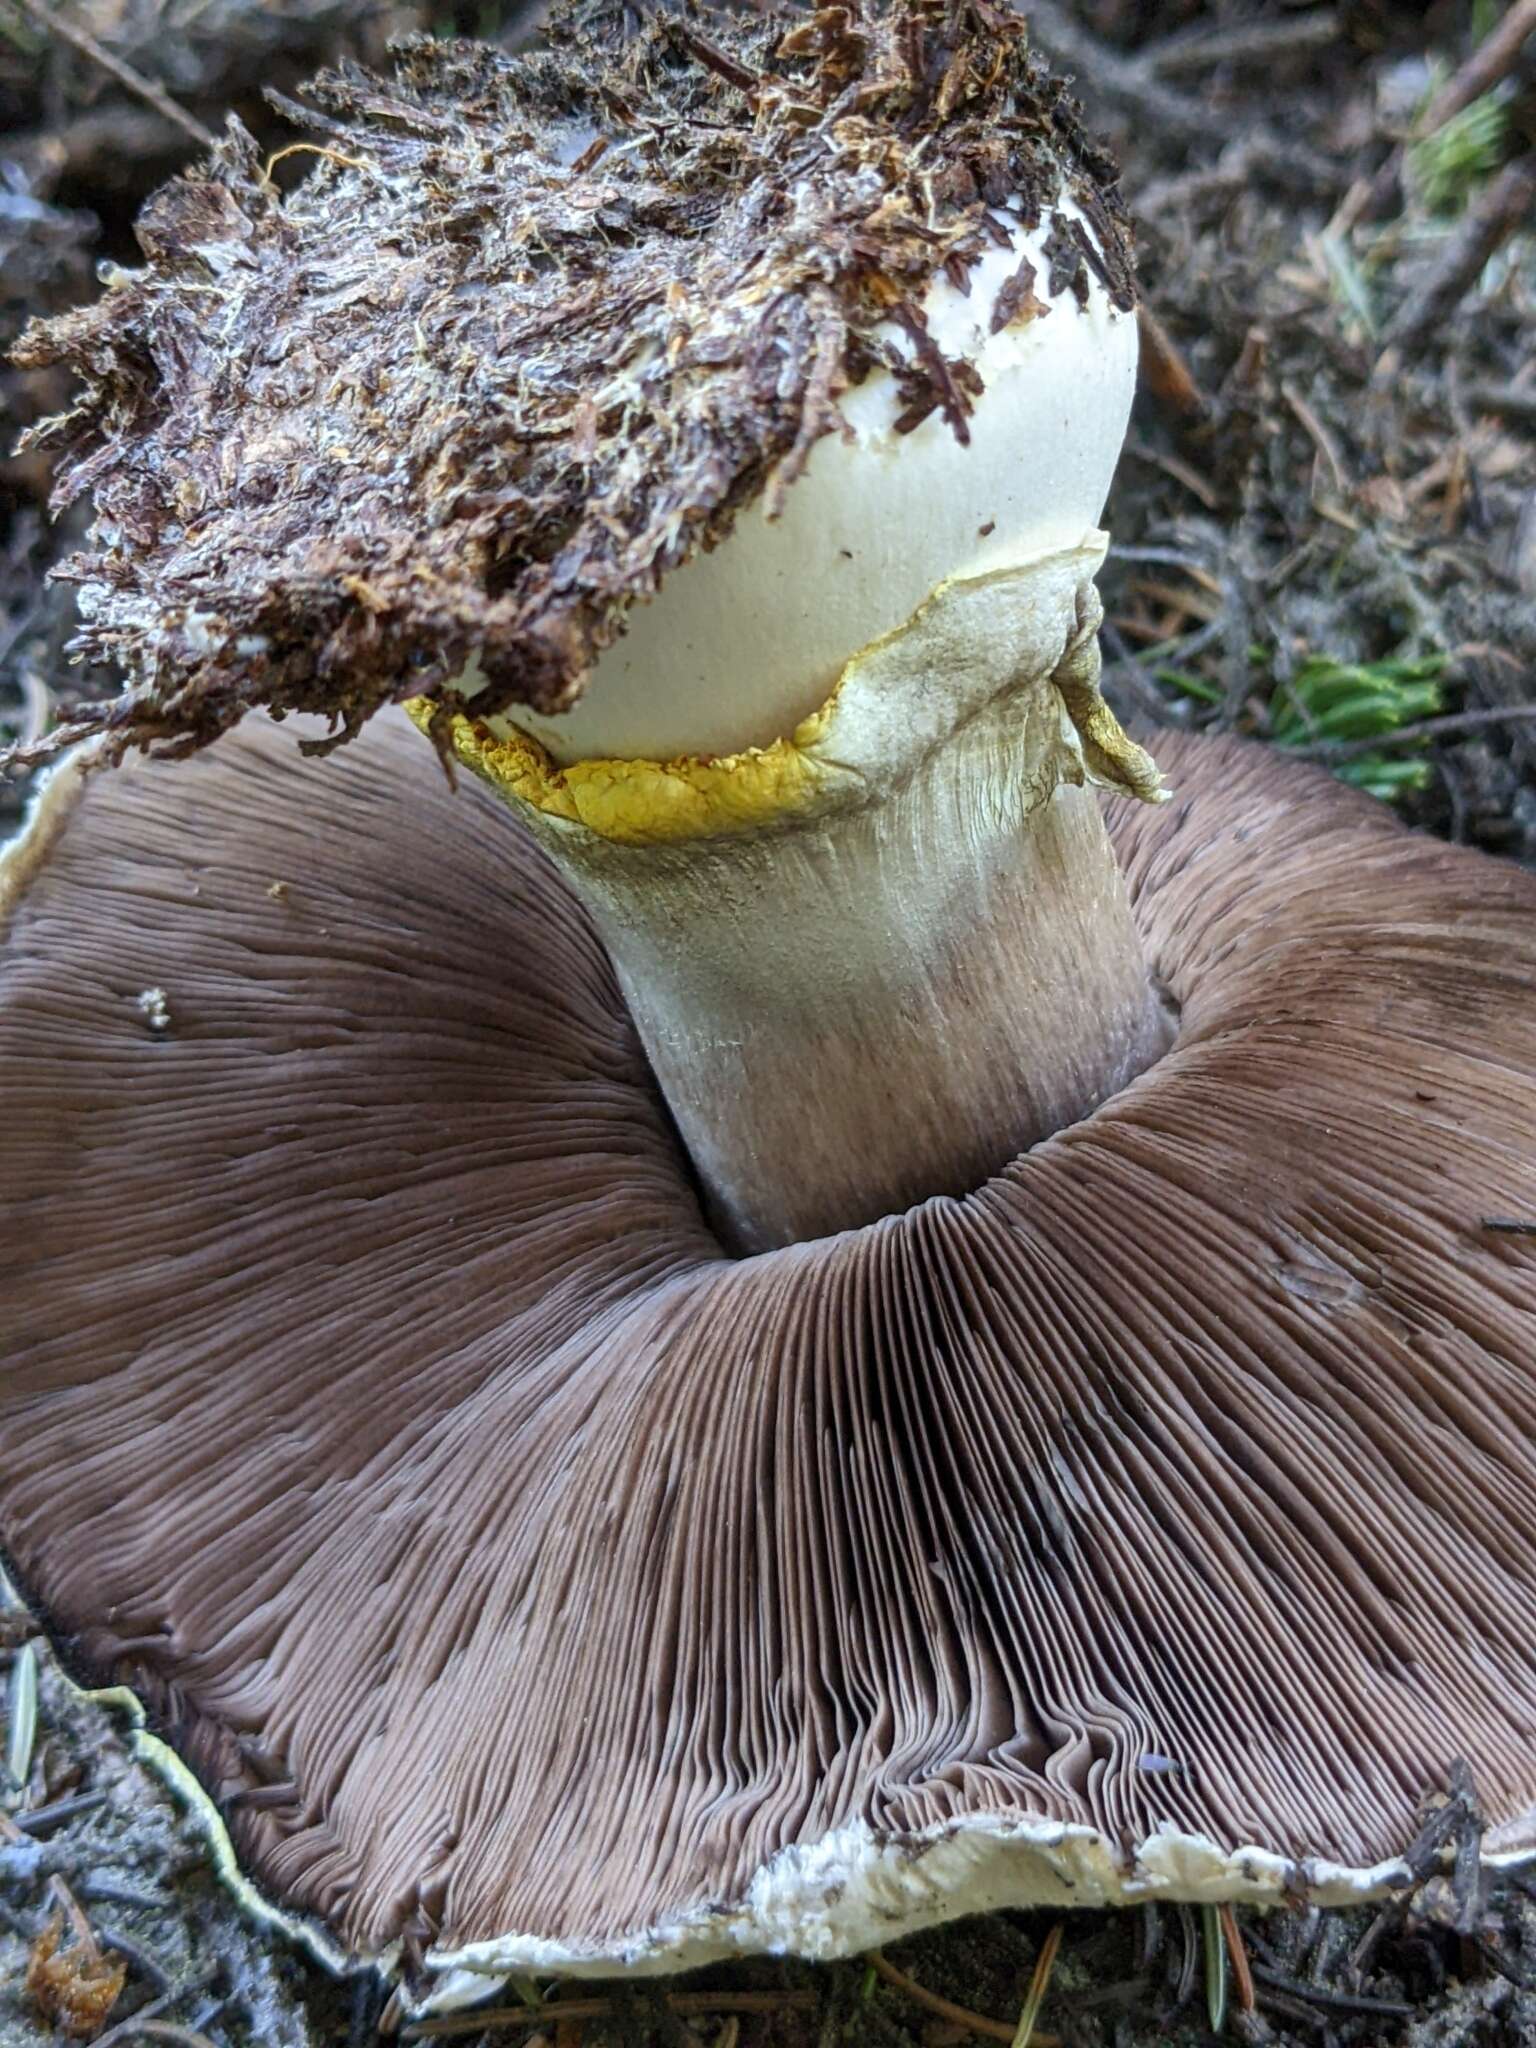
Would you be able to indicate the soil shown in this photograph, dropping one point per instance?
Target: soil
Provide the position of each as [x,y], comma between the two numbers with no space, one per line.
[1325,536]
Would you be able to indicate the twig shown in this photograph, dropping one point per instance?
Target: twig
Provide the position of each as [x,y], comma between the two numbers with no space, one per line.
[1182,472]
[1125,1991]
[1423,729]
[1243,378]
[1293,2009]
[568,2033]
[1167,558]
[261,1798]
[1467,1871]
[147,2015]
[142,1960]
[1516,401]
[719,61]
[20,1924]
[124,2029]
[1184,604]
[1244,42]
[1512,1226]
[1363,1953]
[1493,59]
[37,705]
[1126,673]
[1117,77]
[1236,562]
[101,148]
[681,2002]
[366,2003]
[1339,2001]
[1496,212]
[1242,157]
[1505,1967]
[105,1891]
[21,623]
[1189,188]
[1127,82]
[84,1933]
[1321,439]
[957,2015]
[131,80]
[42,1818]
[141,2029]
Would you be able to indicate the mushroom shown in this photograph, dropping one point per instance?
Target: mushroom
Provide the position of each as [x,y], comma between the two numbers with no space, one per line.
[755,1327]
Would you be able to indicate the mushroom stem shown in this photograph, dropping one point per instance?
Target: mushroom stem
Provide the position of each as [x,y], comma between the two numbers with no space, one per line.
[875,962]
[843,1027]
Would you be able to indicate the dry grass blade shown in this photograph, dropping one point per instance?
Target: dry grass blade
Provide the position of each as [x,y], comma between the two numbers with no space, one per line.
[1025,2035]
[1215,1968]
[22,1727]
[1237,1956]
[1168,375]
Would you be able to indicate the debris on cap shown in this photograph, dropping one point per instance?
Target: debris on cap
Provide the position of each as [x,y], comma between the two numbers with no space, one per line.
[528,335]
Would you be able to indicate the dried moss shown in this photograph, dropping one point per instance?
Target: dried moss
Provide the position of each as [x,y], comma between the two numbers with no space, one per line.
[528,335]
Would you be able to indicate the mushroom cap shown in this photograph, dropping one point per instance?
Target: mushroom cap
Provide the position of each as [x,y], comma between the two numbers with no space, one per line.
[534,331]
[746,641]
[525,1576]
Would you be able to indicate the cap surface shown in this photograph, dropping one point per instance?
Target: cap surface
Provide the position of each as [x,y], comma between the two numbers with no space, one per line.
[532,332]
[747,640]
[376,1402]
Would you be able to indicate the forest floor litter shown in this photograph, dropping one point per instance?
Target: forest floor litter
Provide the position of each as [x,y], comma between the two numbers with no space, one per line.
[1324,537]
